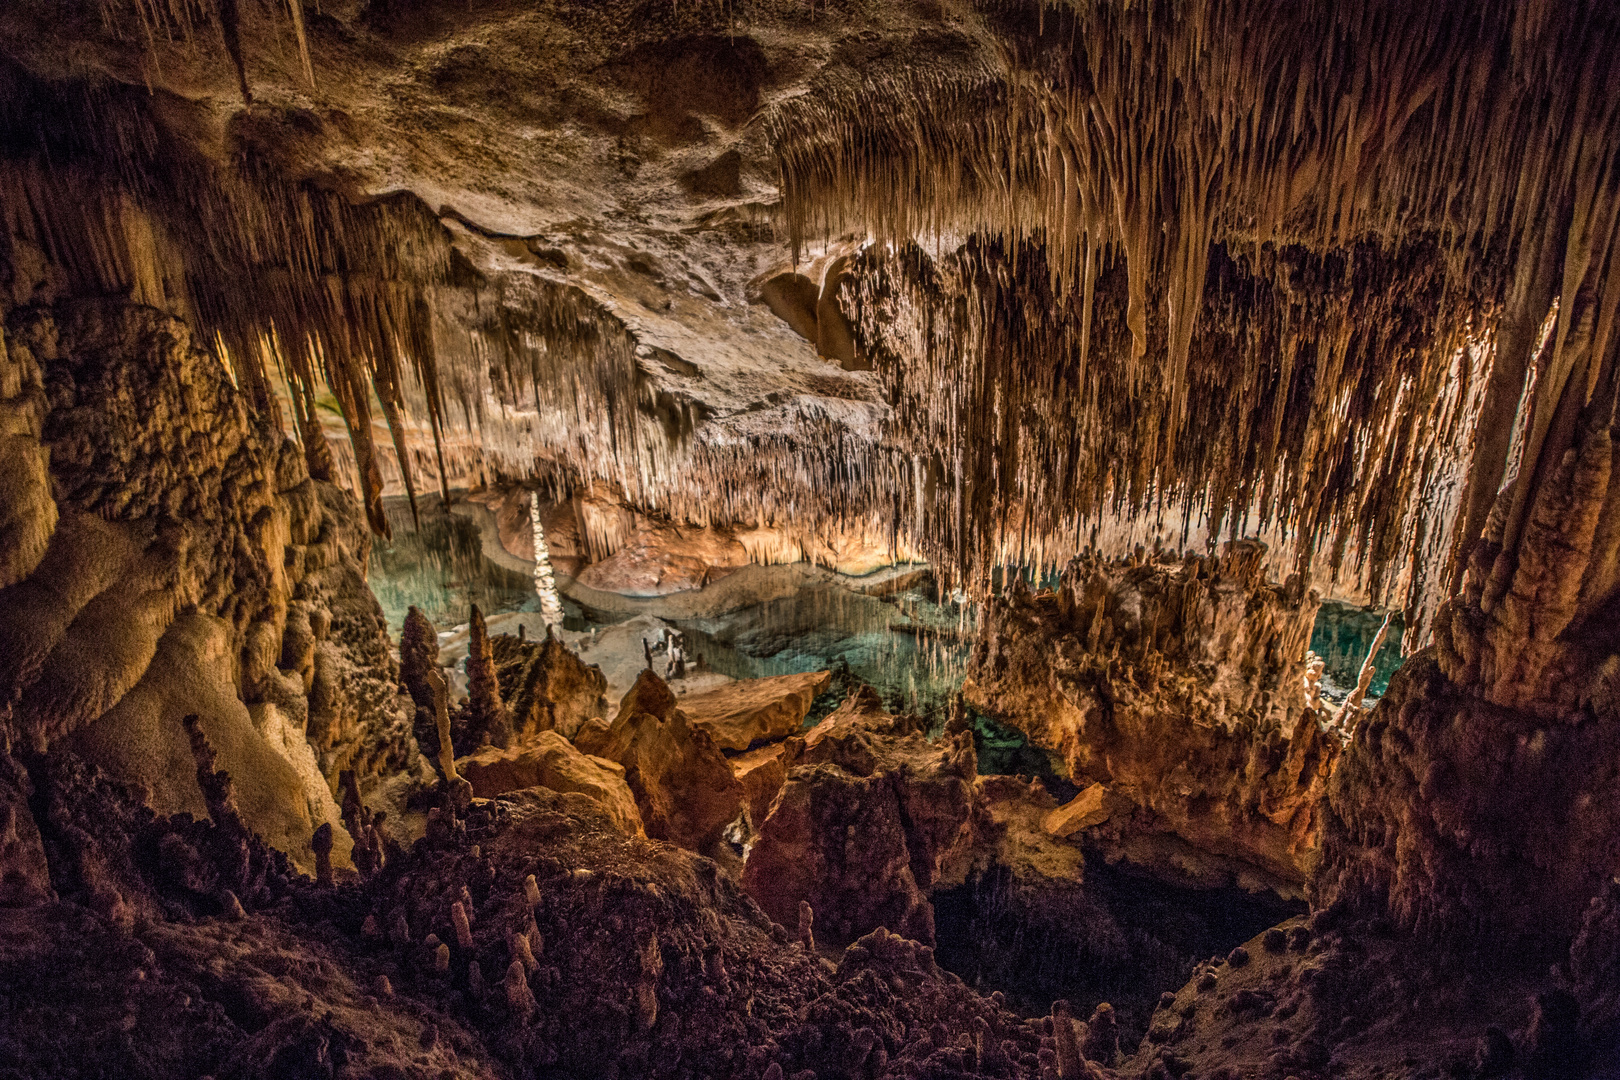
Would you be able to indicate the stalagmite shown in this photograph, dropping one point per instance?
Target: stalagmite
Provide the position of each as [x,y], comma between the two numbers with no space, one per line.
[485,714]
[1350,711]
[459,790]
[519,998]
[321,844]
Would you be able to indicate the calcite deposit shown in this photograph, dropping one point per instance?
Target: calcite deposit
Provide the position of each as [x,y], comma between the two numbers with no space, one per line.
[673,370]
[1174,684]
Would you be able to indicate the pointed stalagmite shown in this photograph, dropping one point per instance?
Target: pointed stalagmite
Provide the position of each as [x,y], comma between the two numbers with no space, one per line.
[1070,1063]
[459,790]
[486,715]
[521,953]
[458,920]
[321,844]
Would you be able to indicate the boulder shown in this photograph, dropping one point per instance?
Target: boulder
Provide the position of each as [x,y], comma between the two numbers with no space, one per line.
[1091,807]
[741,713]
[548,760]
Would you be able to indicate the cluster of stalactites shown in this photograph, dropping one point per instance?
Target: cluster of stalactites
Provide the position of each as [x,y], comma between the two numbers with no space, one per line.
[1332,404]
[1148,139]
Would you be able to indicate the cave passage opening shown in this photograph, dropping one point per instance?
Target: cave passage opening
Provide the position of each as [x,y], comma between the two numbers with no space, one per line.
[1341,636]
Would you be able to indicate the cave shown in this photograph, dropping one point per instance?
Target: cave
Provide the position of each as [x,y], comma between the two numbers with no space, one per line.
[788,540]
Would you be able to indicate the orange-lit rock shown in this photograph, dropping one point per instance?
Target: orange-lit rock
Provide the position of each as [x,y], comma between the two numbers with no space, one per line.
[683,785]
[1176,684]
[870,819]
[548,760]
[741,713]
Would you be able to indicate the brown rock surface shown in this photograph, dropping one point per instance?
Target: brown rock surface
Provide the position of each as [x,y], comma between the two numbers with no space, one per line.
[1091,807]
[548,760]
[741,713]
[547,686]
[870,818]
[683,785]
[194,567]
[139,742]
[25,877]
[1176,683]
[762,772]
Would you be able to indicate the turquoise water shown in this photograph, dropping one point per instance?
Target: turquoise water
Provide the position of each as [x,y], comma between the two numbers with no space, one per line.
[1342,635]
[909,646]
[440,568]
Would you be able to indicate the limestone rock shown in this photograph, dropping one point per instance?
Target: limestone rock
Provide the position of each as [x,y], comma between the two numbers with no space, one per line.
[741,713]
[762,772]
[173,503]
[683,785]
[140,742]
[1176,684]
[547,686]
[25,877]
[869,820]
[1091,807]
[1451,812]
[548,760]
[27,511]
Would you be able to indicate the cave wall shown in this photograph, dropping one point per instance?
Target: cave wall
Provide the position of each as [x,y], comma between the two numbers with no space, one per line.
[1477,797]
[186,563]
[1177,683]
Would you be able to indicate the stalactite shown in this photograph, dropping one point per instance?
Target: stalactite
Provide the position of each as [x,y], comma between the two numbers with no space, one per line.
[1230,130]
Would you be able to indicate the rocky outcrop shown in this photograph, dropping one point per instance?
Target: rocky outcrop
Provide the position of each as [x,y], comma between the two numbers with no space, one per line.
[25,877]
[739,714]
[192,565]
[869,819]
[482,719]
[683,785]
[1473,800]
[762,772]
[1456,815]
[532,935]
[547,686]
[1176,683]
[550,761]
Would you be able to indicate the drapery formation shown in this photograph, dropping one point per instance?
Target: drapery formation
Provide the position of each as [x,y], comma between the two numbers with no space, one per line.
[1451,164]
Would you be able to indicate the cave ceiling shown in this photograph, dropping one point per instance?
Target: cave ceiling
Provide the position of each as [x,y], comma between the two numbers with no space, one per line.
[1007,278]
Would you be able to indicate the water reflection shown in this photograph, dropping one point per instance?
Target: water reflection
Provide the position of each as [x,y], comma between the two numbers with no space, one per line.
[440,568]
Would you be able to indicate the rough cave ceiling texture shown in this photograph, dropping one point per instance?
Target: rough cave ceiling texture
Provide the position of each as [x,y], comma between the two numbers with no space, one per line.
[1123,271]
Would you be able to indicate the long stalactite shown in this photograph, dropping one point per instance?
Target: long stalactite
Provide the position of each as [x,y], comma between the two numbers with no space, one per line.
[1160,142]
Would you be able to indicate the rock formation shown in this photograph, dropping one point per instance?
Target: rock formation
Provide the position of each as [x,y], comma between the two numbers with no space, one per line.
[192,566]
[1175,683]
[740,714]
[547,687]
[548,760]
[683,785]
[1242,303]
